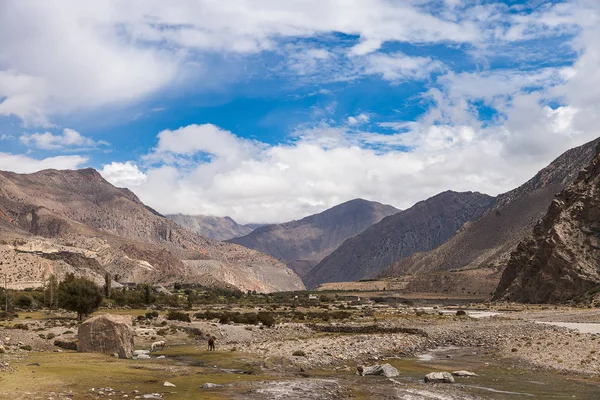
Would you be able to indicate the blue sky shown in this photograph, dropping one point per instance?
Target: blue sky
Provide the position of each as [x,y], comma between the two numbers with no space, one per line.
[268,111]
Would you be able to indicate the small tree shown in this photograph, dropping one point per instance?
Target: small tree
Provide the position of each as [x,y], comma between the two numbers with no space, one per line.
[51,292]
[107,285]
[80,295]
[24,301]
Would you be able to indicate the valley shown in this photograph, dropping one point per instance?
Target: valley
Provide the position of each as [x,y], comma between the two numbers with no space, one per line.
[511,353]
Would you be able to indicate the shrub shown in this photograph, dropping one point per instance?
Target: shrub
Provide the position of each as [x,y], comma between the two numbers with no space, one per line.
[26,347]
[178,316]
[23,327]
[267,319]
[50,336]
[24,301]
[152,315]
[4,315]
[299,353]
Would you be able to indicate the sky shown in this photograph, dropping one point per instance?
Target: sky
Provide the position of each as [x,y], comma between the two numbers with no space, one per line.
[268,110]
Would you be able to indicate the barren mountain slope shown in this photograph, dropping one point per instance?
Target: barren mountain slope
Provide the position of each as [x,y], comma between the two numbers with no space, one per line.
[218,228]
[561,260]
[305,242]
[78,212]
[421,227]
[489,240]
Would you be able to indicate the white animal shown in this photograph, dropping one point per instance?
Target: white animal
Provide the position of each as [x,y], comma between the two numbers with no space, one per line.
[160,344]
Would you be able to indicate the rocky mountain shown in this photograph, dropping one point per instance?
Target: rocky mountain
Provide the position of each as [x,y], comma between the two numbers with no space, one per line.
[75,221]
[303,243]
[489,240]
[422,227]
[561,260]
[218,228]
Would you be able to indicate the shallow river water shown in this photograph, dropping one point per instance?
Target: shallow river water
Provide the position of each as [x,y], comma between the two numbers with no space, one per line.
[497,380]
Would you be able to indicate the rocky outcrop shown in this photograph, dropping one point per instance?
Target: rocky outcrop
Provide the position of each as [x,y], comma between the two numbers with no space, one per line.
[420,228]
[302,244]
[561,260]
[489,240]
[107,334]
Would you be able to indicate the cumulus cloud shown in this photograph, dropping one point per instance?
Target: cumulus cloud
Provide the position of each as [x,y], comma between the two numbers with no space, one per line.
[328,165]
[24,165]
[69,139]
[123,174]
[85,55]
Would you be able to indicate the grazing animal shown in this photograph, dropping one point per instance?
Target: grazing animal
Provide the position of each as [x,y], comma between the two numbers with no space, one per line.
[211,343]
[160,344]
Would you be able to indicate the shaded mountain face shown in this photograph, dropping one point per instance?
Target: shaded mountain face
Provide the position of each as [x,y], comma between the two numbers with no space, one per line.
[561,260]
[218,228]
[420,228]
[303,243]
[75,221]
[489,240]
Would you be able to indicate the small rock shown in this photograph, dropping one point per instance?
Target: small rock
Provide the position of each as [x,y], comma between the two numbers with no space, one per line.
[209,385]
[386,370]
[152,396]
[168,384]
[161,357]
[143,357]
[439,377]
[463,373]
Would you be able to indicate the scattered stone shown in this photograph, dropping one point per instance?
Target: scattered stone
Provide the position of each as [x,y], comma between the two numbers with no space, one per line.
[152,396]
[461,313]
[168,384]
[161,357]
[209,385]
[107,334]
[142,357]
[385,370]
[139,352]
[463,373]
[439,377]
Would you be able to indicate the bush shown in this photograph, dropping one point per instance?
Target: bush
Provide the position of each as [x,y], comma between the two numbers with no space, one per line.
[152,315]
[267,319]
[26,347]
[23,327]
[178,316]
[24,301]
[299,353]
[50,336]
[7,315]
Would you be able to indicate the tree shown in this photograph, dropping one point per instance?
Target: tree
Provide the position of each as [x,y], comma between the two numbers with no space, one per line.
[80,295]
[51,292]
[107,285]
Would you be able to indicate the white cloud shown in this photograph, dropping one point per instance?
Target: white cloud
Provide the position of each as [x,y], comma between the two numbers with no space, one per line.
[399,67]
[4,136]
[85,55]
[358,119]
[24,165]
[326,165]
[123,174]
[69,139]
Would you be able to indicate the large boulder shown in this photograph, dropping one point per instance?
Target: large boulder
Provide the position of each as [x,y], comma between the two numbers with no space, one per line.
[385,370]
[107,334]
[439,377]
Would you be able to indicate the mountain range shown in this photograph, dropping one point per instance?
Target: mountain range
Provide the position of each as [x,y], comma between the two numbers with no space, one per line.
[488,241]
[303,243]
[56,222]
[218,228]
[422,227]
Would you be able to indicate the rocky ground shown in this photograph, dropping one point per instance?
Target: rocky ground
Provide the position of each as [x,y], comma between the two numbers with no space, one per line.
[327,353]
